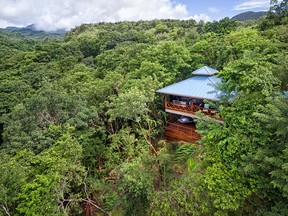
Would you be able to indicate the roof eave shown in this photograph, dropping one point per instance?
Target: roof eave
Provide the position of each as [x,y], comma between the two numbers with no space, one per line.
[189,96]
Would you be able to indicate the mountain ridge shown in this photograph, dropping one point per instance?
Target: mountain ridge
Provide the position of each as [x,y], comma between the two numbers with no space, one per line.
[249,15]
[32,31]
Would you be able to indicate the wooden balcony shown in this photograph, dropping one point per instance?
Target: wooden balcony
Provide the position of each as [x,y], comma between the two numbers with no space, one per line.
[182,132]
[191,109]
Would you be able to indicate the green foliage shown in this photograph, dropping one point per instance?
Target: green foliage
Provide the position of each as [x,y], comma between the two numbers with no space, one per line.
[129,105]
[186,195]
[171,56]
[250,74]
[273,116]
[277,15]
[244,40]
[209,50]
[43,181]
[12,43]
[81,122]
[13,176]
[222,26]
[136,185]
[185,151]
[242,156]
[227,188]
[124,147]
[278,11]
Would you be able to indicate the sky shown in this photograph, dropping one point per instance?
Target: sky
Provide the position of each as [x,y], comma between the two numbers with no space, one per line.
[51,15]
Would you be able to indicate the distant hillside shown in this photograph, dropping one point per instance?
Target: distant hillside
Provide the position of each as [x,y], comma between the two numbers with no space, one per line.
[250,15]
[13,42]
[31,31]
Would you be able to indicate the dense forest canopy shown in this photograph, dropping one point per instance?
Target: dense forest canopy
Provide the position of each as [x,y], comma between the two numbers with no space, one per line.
[81,124]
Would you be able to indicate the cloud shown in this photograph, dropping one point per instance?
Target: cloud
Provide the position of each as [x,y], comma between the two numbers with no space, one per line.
[213,10]
[55,14]
[199,17]
[252,4]
[4,23]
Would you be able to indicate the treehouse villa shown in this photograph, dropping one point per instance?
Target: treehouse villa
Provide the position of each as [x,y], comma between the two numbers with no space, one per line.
[185,98]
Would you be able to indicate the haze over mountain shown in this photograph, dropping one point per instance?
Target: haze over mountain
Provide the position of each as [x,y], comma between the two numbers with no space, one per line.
[32,31]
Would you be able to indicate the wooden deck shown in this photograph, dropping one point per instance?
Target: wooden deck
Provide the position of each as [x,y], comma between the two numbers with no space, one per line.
[191,109]
[181,132]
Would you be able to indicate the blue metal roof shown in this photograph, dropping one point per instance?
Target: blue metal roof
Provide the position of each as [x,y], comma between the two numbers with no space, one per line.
[205,71]
[202,87]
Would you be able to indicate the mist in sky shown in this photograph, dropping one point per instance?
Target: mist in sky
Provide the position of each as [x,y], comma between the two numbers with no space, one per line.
[65,14]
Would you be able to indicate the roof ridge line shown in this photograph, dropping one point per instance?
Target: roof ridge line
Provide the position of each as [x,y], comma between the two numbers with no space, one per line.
[211,79]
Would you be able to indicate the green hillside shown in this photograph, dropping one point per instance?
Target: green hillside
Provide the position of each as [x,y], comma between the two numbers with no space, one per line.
[31,32]
[82,127]
[250,15]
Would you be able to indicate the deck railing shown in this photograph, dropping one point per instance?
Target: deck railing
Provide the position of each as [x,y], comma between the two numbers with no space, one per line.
[181,132]
[190,108]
